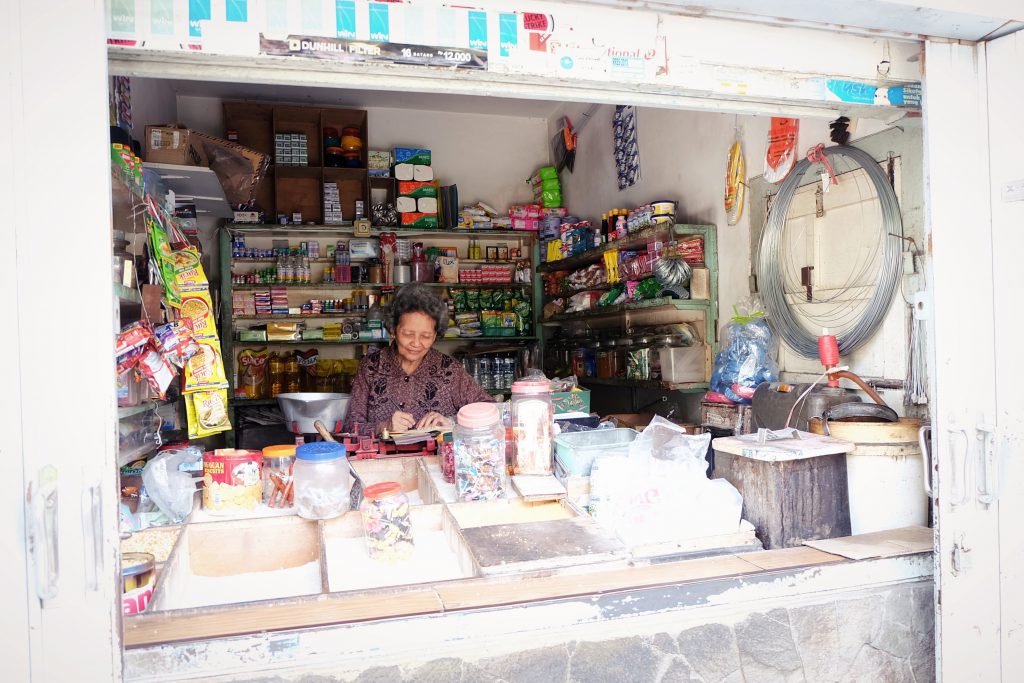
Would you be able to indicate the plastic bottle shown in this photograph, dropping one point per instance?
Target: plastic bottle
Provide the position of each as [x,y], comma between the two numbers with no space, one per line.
[275,374]
[291,374]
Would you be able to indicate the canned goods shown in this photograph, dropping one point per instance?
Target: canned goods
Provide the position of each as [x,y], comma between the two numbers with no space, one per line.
[231,481]
[138,576]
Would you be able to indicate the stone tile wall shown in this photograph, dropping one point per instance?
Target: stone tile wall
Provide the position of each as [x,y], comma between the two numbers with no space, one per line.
[884,636]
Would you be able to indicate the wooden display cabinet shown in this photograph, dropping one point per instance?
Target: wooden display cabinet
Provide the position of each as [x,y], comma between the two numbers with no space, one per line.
[299,189]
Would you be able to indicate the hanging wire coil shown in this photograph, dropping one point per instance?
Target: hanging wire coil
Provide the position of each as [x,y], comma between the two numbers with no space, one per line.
[771,281]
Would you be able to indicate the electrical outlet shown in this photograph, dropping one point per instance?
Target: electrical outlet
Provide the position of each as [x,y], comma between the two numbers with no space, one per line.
[1013,191]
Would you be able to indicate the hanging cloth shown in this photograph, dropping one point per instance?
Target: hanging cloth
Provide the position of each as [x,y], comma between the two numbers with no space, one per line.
[627,147]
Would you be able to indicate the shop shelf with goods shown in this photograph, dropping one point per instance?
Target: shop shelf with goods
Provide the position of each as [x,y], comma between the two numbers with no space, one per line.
[139,425]
[264,245]
[604,331]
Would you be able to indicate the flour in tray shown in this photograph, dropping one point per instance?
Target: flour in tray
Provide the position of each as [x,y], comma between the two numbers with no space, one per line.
[203,591]
[349,566]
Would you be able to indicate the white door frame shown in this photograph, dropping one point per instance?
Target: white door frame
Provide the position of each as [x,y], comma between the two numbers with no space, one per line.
[57,371]
[963,371]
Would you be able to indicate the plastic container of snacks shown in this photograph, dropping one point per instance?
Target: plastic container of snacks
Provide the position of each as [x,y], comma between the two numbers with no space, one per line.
[231,481]
[479,438]
[386,523]
[278,485]
[532,419]
[322,480]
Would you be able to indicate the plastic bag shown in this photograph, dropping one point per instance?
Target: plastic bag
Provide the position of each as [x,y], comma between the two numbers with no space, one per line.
[661,492]
[171,489]
[747,358]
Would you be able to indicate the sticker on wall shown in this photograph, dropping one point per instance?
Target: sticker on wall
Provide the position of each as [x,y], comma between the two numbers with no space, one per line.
[341,50]
[780,158]
[627,147]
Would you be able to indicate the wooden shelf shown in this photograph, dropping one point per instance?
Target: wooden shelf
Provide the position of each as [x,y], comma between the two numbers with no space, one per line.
[686,388]
[650,306]
[636,240]
[488,340]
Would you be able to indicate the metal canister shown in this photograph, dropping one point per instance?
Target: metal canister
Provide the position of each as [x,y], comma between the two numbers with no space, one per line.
[138,577]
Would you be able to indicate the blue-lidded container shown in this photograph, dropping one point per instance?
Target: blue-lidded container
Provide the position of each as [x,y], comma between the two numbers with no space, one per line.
[323,480]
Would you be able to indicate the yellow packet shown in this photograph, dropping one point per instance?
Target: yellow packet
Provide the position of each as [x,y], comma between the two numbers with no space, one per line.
[188,269]
[207,413]
[197,307]
[205,370]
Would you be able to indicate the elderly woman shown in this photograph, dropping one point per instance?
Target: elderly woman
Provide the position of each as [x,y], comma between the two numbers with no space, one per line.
[411,385]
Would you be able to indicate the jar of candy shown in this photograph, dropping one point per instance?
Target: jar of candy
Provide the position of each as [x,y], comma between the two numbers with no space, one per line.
[323,480]
[386,523]
[479,439]
[532,425]
[579,355]
[278,466]
[448,458]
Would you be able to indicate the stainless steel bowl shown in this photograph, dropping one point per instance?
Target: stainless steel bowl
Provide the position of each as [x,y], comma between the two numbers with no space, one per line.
[302,409]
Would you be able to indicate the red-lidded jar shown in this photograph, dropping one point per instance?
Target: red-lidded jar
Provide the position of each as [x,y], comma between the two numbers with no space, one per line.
[386,522]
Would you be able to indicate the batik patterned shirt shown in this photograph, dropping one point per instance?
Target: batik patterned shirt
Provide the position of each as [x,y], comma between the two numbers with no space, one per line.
[382,388]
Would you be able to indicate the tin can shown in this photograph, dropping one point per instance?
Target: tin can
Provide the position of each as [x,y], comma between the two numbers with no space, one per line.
[138,576]
[232,481]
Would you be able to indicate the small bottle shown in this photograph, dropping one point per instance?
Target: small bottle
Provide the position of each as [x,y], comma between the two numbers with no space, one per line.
[275,374]
[291,374]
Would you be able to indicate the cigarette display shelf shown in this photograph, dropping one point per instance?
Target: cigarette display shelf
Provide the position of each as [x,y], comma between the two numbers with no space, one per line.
[197,185]
[637,240]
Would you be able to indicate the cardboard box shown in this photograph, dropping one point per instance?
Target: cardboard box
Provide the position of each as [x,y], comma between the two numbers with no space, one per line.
[700,283]
[411,155]
[571,401]
[174,145]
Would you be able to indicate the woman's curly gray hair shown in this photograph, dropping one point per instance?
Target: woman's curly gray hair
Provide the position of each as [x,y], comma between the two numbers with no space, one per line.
[416,298]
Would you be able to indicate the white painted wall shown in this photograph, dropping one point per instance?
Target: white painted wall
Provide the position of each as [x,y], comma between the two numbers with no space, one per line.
[489,157]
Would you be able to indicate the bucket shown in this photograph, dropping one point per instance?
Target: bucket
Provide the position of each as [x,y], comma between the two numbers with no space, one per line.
[885,477]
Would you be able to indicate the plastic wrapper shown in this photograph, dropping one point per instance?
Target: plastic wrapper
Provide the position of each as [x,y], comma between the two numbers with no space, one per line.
[612,296]
[747,358]
[207,413]
[584,301]
[647,289]
[660,491]
[170,488]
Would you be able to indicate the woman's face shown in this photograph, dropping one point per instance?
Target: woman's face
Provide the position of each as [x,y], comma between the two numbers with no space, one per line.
[414,335]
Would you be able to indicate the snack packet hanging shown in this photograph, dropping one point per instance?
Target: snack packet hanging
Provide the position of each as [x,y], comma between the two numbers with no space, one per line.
[157,370]
[197,307]
[205,370]
[176,341]
[188,269]
[207,413]
[161,247]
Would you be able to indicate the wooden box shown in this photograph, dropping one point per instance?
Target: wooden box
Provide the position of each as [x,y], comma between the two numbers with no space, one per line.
[789,497]
[735,418]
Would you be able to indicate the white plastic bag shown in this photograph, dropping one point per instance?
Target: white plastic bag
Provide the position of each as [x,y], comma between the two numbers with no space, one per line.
[661,491]
[171,489]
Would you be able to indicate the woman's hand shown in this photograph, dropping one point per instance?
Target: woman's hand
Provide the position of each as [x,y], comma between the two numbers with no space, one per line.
[434,419]
[401,422]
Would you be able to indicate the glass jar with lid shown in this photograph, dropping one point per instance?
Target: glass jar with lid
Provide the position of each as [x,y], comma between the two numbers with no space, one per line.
[323,480]
[386,522]
[622,348]
[479,444]
[532,425]
[606,359]
[590,350]
[278,471]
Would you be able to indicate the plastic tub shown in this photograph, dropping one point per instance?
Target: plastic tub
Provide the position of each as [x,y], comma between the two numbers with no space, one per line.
[576,451]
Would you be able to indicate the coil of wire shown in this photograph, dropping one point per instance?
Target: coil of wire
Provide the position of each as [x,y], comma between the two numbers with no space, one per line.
[781,314]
